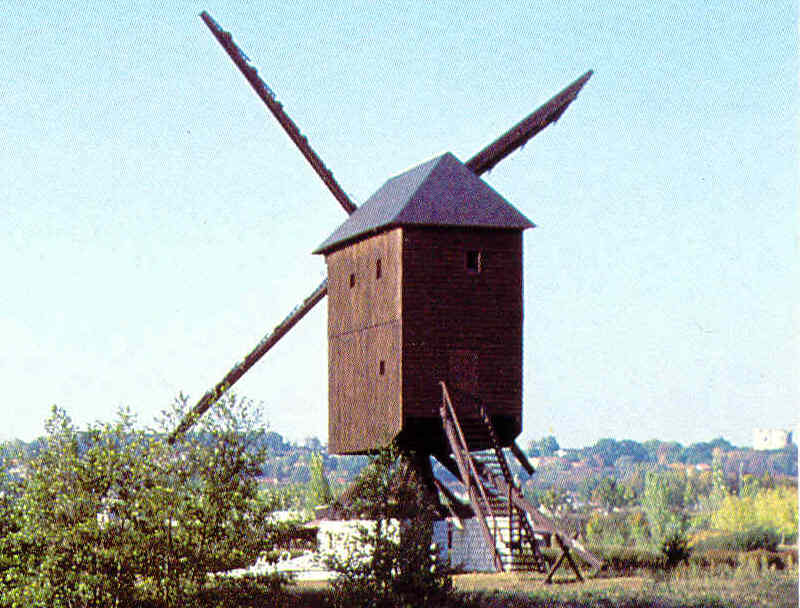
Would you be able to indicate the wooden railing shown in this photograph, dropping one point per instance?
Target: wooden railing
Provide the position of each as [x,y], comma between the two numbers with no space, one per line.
[469,475]
[480,481]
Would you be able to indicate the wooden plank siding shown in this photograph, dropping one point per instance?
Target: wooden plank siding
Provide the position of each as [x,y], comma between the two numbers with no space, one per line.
[451,312]
[365,328]
[429,317]
[365,405]
[370,301]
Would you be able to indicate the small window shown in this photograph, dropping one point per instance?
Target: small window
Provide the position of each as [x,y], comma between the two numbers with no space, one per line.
[352,281]
[382,368]
[378,268]
[474,261]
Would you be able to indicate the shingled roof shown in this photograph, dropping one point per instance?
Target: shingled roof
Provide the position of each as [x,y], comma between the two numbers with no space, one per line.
[439,192]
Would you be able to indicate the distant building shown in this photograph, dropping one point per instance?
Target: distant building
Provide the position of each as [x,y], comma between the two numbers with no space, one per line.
[771,439]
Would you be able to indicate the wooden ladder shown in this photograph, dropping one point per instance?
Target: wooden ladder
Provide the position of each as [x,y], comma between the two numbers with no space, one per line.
[478,495]
[491,487]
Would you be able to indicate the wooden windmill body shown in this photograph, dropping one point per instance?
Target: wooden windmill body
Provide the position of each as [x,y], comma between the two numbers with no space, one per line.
[424,285]
[425,324]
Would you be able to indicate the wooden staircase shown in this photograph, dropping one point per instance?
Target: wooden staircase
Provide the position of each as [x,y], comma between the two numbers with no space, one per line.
[506,518]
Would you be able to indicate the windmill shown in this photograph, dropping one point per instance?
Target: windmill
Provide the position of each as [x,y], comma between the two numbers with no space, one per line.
[425,325]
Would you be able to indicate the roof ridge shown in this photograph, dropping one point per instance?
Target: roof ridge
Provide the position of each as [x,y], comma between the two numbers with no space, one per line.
[421,184]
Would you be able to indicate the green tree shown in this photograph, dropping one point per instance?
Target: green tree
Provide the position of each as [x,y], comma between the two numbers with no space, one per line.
[662,501]
[719,486]
[609,493]
[116,514]
[392,570]
[319,490]
[547,446]
[554,500]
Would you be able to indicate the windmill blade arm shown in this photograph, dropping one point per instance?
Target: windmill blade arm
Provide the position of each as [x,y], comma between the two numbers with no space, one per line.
[268,97]
[524,130]
[238,370]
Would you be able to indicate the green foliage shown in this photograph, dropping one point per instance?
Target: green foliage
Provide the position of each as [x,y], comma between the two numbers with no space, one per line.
[115,515]
[622,560]
[609,494]
[750,539]
[547,446]
[704,451]
[319,491]
[774,509]
[719,486]
[608,451]
[675,548]
[662,501]
[284,497]
[386,571]
[618,529]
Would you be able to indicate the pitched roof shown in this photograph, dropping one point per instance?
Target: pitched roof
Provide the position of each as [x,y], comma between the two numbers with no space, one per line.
[439,192]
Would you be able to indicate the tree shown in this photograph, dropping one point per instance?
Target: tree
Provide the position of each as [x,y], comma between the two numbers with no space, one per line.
[388,570]
[609,450]
[319,491]
[114,513]
[547,446]
[719,486]
[609,494]
[704,451]
[662,501]
[554,500]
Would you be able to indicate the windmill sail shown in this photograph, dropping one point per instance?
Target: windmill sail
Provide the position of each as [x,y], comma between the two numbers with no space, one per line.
[238,370]
[268,97]
[518,135]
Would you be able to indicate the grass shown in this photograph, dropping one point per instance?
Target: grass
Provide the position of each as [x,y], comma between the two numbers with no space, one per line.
[748,584]
[686,588]
[682,589]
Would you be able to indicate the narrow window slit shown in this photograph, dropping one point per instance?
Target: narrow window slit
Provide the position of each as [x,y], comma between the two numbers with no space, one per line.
[473,260]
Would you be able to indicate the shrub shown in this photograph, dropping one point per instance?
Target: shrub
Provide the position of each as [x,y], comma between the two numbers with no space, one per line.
[608,529]
[114,515]
[675,549]
[622,560]
[751,539]
[388,571]
[618,529]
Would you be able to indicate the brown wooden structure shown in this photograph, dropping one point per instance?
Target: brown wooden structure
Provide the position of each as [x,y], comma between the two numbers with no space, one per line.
[425,286]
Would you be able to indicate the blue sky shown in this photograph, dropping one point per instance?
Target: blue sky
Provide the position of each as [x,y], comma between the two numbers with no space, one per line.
[157,222]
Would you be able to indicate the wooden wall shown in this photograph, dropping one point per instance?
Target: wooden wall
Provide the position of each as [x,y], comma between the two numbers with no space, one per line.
[428,318]
[364,328]
[459,325]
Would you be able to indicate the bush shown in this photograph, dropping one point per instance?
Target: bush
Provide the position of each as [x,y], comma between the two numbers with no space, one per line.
[754,538]
[114,515]
[620,560]
[618,529]
[675,549]
[716,559]
[391,572]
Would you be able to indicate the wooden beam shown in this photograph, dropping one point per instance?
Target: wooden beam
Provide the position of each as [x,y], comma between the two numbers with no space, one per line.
[518,135]
[522,458]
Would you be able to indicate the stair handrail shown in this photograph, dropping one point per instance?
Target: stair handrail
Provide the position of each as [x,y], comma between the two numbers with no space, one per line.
[465,448]
[466,468]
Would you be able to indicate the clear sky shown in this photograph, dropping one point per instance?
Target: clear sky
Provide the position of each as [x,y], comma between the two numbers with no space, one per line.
[156,221]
